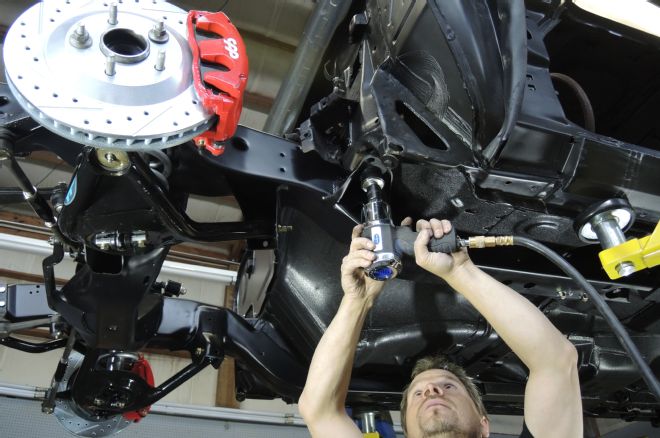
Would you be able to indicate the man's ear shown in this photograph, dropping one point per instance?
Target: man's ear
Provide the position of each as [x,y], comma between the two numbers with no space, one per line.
[485,427]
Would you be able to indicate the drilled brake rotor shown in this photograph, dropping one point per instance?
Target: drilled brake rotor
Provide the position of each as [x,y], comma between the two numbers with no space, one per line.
[108,75]
[74,419]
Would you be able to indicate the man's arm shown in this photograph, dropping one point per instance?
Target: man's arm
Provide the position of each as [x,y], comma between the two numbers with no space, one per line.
[322,403]
[553,406]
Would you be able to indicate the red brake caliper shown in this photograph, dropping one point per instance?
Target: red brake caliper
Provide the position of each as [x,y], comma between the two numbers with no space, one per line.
[142,369]
[221,88]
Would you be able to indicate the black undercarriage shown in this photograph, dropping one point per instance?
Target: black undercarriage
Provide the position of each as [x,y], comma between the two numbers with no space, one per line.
[467,106]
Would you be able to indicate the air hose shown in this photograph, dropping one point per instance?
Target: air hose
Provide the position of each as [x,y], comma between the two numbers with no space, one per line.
[600,304]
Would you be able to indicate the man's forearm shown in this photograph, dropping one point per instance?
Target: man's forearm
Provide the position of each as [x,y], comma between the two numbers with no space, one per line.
[330,371]
[523,327]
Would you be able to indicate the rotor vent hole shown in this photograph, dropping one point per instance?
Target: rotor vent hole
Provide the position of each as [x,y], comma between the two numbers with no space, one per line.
[529,285]
[74,100]
[4,100]
[129,118]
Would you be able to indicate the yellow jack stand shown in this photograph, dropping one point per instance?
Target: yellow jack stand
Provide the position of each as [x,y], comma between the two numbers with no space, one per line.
[632,256]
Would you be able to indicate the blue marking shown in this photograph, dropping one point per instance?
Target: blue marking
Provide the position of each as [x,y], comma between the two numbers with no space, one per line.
[382,273]
[376,239]
[73,190]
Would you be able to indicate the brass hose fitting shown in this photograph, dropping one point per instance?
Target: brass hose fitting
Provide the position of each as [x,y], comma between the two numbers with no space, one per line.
[489,241]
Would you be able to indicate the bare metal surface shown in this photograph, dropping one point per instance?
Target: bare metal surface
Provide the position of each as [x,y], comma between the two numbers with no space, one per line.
[81,94]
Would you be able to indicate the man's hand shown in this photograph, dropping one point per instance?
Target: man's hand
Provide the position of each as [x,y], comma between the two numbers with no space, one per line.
[353,279]
[442,265]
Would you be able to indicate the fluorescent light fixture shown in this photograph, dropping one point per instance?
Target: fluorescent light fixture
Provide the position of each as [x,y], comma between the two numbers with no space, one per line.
[638,14]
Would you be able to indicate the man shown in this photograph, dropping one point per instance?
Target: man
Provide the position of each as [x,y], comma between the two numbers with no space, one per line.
[441,401]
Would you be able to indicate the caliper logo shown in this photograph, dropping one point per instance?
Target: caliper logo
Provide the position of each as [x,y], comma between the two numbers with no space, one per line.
[232,47]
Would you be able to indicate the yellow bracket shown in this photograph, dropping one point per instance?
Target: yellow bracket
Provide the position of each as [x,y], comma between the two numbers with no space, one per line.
[371,435]
[642,253]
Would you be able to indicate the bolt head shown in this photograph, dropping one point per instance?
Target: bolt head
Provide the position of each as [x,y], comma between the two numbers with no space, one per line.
[456,202]
[625,268]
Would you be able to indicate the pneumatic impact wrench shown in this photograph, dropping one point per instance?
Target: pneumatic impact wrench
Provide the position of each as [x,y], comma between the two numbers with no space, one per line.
[390,241]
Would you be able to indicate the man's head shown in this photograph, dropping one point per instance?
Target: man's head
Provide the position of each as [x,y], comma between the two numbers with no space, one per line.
[442,399]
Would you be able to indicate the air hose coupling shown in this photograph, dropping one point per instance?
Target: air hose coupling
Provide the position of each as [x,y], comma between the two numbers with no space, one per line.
[486,241]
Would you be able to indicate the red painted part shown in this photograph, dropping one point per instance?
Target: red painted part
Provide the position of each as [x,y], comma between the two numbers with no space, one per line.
[142,369]
[228,53]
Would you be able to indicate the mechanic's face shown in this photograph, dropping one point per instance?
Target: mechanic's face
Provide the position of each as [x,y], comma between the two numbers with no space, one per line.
[440,406]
